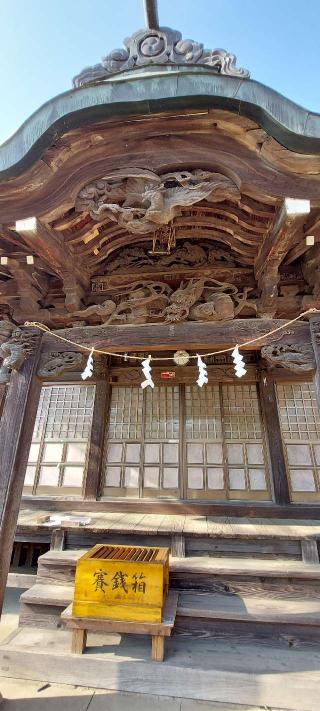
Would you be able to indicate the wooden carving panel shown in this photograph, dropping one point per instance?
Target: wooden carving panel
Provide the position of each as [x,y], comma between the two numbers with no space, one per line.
[141,200]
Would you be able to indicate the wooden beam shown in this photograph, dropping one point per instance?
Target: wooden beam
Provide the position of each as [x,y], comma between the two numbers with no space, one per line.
[168,337]
[16,428]
[43,241]
[270,413]
[288,220]
[248,509]
[92,482]
[315,339]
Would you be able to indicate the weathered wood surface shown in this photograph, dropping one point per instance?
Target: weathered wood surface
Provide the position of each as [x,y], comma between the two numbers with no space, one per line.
[269,406]
[93,477]
[123,627]
[250,609]
[78,641]
[57,539]
[79,156]
[41,594]
[288,220]
[315,339]
[251,510]
[213,527]
[16,428]
[227,566]
[158,631]
[203,669]
[310,552]
[167,337]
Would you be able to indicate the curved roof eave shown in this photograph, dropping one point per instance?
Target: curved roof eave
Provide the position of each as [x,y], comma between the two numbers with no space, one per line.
[291,125]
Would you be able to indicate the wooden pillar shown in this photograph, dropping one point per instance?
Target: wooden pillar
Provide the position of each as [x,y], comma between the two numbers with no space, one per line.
[315,339]
[16,429]
[269,407]
[92,482]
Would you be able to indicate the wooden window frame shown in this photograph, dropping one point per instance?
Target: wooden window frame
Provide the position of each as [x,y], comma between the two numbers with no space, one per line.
[303,497]
[38,490]
[183,493]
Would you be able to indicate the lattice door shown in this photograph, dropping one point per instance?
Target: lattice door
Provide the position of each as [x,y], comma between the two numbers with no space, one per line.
[225,449]
[300,426]
[59,451]
[142,443]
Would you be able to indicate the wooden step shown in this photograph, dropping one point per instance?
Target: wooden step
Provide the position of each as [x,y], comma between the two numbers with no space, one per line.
[220,574]
[250,609]
[285,621]
[204,565]
[41,605]
[245,576]
[39,594]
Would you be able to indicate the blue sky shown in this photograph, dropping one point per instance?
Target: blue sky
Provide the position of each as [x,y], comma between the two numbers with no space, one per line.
[44,43]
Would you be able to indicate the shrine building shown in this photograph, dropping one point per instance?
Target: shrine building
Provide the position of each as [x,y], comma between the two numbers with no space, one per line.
[167,205]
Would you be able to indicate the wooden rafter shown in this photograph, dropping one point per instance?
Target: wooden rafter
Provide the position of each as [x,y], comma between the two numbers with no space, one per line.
[44,242]
[288,221]
[283,233]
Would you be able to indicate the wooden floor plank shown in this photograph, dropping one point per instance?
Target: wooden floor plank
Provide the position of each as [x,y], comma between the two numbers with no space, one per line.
[228,527]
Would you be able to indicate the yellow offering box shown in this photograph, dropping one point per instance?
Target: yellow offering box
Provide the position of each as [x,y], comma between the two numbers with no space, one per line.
[122,583]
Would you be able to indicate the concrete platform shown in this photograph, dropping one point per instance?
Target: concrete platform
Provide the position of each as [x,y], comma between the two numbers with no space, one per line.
[195,669]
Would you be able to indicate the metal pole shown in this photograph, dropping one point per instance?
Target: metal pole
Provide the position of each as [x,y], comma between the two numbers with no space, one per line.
[151,14]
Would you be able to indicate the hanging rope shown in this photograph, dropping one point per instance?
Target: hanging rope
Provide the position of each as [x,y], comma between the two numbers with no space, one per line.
[126,356]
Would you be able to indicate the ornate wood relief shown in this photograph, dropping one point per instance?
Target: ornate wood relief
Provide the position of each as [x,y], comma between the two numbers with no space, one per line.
[141,200]
[299,358]
[159,46]
[183,374]
[148,302]
[188,254]
[15,351]
[55,363]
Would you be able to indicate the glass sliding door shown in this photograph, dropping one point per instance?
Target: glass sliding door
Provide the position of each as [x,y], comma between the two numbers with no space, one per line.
[142,443]
[300,426]
[226,455]
[59,451]
[184,441]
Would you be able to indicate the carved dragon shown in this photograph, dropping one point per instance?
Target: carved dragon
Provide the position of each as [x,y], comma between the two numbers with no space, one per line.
[196,300]
[140,200]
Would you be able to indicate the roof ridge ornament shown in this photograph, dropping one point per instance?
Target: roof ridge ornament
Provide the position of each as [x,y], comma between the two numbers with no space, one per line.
[159,46]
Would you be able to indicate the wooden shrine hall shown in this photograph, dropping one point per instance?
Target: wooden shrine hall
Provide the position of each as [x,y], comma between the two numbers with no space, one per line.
[166,205]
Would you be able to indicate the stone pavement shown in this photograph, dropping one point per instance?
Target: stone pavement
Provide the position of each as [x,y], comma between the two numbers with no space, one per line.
[22,695]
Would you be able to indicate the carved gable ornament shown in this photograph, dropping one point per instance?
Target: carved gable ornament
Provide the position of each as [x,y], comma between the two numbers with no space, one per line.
[16,345]
[140,200]
[293,356]
[160,46]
